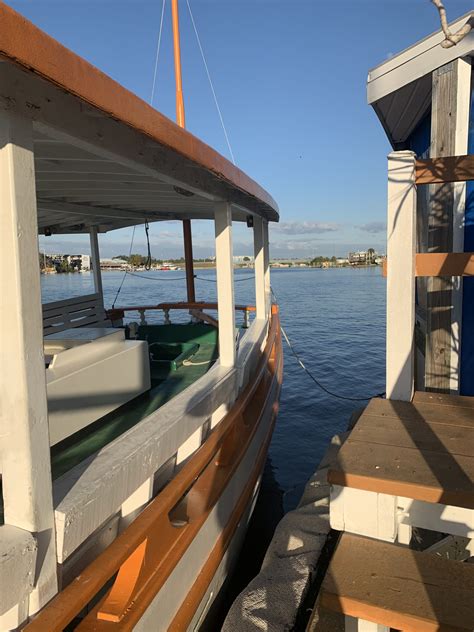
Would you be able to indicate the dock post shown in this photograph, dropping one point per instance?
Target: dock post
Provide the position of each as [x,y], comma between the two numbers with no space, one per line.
[261,304]
[401,249]
[225,283]
[24,431]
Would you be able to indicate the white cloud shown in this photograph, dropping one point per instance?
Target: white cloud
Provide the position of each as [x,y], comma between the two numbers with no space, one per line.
[373,227]
[301,228]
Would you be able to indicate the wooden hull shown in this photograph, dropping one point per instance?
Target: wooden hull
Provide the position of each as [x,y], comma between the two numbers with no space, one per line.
[171,561]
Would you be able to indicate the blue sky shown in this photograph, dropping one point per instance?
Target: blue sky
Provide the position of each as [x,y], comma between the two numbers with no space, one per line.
[290,78]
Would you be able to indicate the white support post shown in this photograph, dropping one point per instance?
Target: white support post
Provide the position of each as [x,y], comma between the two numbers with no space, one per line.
[401,250]
[24,432]
[259,263]
[360,625]
[266,264]
[225,283]
[95,258]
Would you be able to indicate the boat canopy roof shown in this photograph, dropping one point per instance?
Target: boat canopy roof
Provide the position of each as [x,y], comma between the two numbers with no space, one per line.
[399,90]
[104,157]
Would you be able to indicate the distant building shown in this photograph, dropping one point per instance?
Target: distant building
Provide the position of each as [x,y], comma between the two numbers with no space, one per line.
[357,258]
[79,263]
[243,258]
[363,257]
[113,264]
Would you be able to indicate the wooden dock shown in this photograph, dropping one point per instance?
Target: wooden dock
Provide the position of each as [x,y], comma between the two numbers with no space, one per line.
[405,465]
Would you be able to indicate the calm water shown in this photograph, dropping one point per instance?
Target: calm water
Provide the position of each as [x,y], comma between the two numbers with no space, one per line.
[336,321]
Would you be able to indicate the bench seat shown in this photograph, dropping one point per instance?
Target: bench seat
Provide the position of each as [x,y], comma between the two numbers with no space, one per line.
[399,588]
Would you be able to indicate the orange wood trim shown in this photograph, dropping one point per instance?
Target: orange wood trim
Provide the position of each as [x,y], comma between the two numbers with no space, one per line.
[189,260]
[448,169]
[401,488]
[25,44]
[180,118]
[182,305]
[165,543]
[383,616]
[444,264]
[384,267]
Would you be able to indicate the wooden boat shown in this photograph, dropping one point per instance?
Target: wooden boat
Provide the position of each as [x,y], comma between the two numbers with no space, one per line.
[131,457]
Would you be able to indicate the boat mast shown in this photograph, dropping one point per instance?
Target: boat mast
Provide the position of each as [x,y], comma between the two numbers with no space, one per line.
[180,119]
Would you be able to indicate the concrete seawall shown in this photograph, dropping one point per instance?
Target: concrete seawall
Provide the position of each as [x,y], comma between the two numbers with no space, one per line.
[275,598]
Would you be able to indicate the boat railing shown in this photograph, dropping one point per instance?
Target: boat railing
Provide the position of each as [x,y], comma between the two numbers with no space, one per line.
[118,313]
[405,264]
[144,555]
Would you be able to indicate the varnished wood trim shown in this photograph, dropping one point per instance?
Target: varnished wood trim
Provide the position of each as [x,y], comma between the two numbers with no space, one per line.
[186,612]
[368,612]
[448,169]
[118,312]
[165,544]
[438,264]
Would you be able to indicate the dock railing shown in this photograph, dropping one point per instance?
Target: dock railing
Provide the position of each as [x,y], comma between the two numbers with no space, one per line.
[405,264]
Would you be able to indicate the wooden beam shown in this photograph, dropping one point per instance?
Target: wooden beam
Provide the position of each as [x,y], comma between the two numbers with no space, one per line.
[441,264]
[449,132]
[225,283]
[26,463]
[447,169]
[259,266]
[401,224]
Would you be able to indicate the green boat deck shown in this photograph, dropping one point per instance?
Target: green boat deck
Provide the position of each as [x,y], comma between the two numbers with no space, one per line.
[196,344]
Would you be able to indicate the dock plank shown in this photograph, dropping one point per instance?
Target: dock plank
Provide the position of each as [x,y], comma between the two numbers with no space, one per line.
[407,433]
[398,587]
[427,412]
[393,449]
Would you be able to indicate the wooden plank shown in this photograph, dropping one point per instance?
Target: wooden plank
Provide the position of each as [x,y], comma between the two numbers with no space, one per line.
[71,301]
[398,587]
[422,411]
[408,433]
[444,264]
[433,476]
[441,399]
[445,169]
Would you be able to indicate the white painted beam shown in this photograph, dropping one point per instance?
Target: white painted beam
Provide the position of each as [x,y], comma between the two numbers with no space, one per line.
[259,254]
[401,244]
[95,260]
[266,258]
[26,465]
[225,283]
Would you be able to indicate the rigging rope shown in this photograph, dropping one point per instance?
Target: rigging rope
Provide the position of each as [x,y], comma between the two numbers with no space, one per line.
[125,273]
[210,82]
[157,52]
[311,376]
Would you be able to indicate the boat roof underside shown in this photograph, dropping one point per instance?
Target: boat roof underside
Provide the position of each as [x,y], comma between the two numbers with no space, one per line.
[104,157]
